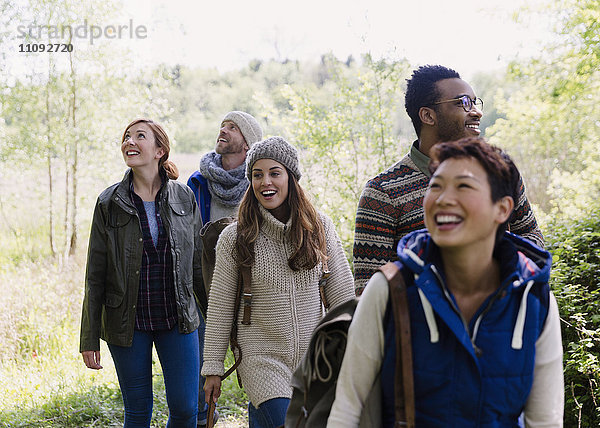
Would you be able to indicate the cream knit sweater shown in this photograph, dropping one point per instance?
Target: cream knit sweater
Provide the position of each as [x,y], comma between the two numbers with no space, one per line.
[285,308]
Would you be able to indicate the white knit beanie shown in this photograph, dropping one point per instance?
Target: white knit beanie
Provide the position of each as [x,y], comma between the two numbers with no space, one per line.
[275,148]
[248,125]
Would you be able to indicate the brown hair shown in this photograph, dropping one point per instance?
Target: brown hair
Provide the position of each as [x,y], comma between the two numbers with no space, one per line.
[162,141]
[502,174]
[306,231]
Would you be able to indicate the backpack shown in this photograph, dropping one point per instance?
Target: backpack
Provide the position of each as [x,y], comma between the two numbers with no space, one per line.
[315,379]
[210,233]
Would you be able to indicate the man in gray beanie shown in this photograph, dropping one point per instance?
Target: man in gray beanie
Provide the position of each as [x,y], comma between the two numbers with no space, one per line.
[219,185]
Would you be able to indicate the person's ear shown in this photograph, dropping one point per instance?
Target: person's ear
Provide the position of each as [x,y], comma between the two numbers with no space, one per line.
[160,152]
[505,207]
[427,116]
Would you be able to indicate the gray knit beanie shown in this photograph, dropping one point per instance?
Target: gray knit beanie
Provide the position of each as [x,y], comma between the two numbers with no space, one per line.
[248,125]
[275,148]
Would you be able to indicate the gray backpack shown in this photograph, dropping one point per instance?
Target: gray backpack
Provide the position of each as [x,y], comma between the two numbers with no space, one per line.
[315,379]
[210,235]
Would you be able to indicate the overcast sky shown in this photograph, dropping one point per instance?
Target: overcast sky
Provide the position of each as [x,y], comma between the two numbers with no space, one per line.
[469,36]
[466,35]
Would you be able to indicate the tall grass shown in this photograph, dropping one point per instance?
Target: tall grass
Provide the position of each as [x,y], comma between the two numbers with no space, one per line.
[43,380]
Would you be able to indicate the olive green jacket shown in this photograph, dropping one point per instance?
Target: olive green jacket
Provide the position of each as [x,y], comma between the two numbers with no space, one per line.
[115,257]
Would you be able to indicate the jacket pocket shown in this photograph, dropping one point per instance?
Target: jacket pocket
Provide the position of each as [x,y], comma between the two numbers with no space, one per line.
[181,208]
[118,218]
[114,315]
[182,225]
[112,300]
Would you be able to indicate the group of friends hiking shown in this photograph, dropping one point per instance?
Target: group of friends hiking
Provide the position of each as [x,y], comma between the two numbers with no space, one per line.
[481,343]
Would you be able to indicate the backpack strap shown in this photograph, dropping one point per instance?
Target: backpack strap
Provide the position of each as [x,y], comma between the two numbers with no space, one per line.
[246,293]
[403,382]
[243,289]
[323,282]
[325,274]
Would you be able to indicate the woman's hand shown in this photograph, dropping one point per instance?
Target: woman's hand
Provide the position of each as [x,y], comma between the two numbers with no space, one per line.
[91,359]
[212,385]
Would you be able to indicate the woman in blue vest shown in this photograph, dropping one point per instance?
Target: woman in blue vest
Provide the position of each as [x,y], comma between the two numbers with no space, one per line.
[143,269]
[485,330]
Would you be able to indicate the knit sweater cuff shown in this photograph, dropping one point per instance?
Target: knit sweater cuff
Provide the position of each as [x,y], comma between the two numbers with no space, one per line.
[213,368]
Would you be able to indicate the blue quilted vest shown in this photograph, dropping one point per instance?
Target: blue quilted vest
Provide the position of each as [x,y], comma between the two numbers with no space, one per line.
[478,375]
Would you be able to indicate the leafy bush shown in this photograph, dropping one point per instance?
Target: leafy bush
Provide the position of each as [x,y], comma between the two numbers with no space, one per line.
[575,246]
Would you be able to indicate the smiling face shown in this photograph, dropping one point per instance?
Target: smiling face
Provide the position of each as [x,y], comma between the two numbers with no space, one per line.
[230,139]
[139,147]
[453,122]
[270,183]
[459,210]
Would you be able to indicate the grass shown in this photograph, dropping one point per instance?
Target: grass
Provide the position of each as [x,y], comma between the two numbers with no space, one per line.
[43,380]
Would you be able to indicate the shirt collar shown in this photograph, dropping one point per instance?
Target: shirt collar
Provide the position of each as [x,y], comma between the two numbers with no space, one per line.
[420,159]
[163,180]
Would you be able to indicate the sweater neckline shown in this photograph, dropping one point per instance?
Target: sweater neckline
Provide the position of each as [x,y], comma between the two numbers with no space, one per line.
[273,227]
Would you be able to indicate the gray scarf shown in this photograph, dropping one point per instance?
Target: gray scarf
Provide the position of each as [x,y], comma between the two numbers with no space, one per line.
[228,187]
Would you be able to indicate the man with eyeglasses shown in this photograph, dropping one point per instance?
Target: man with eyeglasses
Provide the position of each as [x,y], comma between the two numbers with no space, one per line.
[442,107]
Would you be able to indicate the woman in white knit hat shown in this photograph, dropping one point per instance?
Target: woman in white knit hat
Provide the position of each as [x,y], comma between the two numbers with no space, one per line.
[284,242]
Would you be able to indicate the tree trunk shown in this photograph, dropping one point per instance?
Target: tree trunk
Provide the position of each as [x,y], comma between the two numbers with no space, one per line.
[67,199]
[50,206]
[75,153]
[49,158]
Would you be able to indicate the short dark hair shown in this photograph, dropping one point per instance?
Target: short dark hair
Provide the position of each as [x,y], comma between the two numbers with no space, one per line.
[421,90]
[502,174]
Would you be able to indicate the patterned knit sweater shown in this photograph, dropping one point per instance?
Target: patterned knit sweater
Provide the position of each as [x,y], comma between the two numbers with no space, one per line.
[391,206]
[286,307]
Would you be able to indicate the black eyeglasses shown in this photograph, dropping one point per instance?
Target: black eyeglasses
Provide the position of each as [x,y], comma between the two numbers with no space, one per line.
[466,102]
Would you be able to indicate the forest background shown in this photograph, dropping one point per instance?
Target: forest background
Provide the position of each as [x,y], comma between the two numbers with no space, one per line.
[60,125]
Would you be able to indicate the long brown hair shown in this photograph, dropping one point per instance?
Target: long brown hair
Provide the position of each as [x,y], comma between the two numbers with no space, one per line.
[307,232]
[162,141]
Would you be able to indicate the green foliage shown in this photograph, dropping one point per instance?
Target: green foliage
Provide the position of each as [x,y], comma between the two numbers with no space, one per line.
[347,135]
[347,118]
[96,406]
[43,380]
[575,246]
[553,116]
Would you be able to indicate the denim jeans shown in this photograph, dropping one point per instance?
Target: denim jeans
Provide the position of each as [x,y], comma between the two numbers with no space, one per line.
[270,414]
[202,405]
[178,355]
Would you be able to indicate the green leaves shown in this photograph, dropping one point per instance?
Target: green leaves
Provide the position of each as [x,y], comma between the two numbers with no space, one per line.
[575,246]
[347,131]
[554,117]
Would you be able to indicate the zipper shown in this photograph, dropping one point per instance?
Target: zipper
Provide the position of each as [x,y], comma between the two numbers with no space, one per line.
[478,351]
[125,205]
[473,334]
[292,302]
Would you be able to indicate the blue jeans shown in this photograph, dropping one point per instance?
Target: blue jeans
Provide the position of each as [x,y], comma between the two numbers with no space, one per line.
[202,405]
[270,414]
[178,355]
